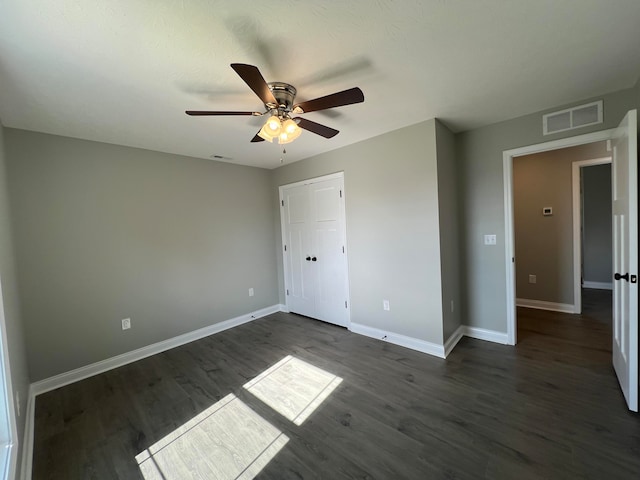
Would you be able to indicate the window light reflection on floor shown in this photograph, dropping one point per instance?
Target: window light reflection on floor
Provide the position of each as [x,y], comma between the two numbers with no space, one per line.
[227,441]
[293,387]
[230,441]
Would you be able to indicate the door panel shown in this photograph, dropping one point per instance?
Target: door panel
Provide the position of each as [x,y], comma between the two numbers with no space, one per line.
[297,206]
[326,201]
[328,228]
[330,288]
[300,285]
[625,257]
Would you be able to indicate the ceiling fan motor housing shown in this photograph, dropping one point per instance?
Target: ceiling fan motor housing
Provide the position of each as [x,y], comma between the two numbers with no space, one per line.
[285,94]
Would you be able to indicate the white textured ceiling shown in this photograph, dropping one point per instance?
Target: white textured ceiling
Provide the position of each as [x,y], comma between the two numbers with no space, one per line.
[124,71]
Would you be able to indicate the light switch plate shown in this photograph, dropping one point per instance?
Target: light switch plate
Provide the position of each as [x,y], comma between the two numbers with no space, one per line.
[490,239]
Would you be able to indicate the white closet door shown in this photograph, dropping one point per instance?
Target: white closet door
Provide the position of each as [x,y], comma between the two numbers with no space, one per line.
[314,250]
[327,224]
[298,267]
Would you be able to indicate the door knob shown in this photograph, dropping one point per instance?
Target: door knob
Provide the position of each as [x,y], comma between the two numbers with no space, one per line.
[617,276]
[314,259]
[308,258]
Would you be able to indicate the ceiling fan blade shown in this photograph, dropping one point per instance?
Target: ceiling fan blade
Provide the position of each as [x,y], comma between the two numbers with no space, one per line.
[257,138]
[213,112]
[252,77]
[346,97]
[317,128]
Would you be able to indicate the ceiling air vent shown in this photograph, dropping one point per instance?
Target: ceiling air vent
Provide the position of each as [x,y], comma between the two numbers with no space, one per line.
[575,117]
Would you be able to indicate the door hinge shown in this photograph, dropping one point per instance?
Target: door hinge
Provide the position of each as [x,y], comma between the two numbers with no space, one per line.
[345,304]
[285,248]
[287,291]
[343,249]
[282,201]
[513,259]
[340,193]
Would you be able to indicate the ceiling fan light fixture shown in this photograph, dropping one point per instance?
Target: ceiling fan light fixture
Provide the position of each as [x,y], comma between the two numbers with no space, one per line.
[271,129]
[274,125]
[290,131]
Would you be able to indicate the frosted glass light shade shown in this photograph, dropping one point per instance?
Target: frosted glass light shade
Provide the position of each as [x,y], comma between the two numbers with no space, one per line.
[271,129]
[289,132]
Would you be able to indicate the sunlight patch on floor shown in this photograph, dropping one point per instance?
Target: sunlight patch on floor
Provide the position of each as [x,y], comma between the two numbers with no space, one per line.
[227,441]
[293,387]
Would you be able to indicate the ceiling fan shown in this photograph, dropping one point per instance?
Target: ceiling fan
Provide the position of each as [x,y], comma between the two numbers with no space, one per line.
[278,100]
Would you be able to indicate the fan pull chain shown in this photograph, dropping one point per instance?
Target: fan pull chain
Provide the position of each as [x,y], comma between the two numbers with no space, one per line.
[284,152]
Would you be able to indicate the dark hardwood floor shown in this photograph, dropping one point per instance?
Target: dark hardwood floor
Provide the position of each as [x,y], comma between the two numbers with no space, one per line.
[548,408]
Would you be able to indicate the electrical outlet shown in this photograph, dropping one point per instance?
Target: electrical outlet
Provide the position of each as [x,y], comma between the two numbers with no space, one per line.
[532,279]
[126,323]
[385,305]
[251,292]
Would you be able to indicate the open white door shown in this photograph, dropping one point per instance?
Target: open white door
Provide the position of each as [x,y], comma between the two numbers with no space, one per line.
[625,256]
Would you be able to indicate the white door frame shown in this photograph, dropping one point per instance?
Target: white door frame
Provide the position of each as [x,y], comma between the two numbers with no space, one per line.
[577,227]
[281,188]
[9,435]
[507,161]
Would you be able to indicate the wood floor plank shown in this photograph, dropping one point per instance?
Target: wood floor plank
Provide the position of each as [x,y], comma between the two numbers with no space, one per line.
[548,408]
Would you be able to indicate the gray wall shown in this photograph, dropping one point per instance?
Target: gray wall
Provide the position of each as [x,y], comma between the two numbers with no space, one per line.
[544,244]
[449,241]
[13,321]
[479,153]
[392,228]
[597,218]
[105,232]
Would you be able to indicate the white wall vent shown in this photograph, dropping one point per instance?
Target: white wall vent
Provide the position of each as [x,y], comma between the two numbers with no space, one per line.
[574,117]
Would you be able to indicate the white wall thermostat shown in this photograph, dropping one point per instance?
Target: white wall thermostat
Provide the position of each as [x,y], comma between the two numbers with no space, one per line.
[547,211]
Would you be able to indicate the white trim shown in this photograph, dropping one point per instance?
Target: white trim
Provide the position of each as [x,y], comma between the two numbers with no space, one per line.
[283,308]
[7,403]
[487,335]
[87,371]
[598,285]
[441,351]
[27,442]
[577,226]
[543,305]
[509,248]
[323,178]
[397,339]
[453,340]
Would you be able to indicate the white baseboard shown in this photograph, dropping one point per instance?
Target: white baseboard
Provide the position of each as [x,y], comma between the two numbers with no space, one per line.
[397,339]
[542,305]
[102,366]
[453,340]
[284,308]
[598,285]
[484,334]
